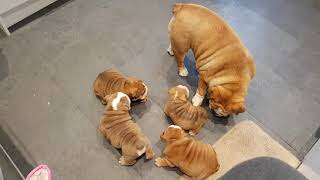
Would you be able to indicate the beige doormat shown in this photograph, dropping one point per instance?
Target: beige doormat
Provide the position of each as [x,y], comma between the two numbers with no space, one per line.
[245,141]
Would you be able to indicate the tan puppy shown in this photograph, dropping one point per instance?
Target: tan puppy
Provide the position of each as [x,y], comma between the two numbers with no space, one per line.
[112,81]
[224,64]
[118,127]
[182,112]
[194,158]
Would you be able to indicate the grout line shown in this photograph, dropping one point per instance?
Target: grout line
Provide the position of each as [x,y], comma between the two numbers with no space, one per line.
[14,165]
[276,136]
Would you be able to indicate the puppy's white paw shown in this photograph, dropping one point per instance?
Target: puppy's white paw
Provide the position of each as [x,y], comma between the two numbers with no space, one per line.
[191,133]
[220,113]
[197,99]
[157,162]
[169,50]
[121,161]
[183,72]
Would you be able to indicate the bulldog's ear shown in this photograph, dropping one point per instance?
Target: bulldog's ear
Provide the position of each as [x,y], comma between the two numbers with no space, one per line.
[107,97]
[129,82]
[220,94]
[236,108]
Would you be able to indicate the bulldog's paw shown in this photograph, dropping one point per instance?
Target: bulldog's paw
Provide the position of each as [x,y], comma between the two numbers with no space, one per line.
[103,102]
[121,161]
[183,72]
[124,162]
[150,155]
[197,100]
[158,162]
[169,50]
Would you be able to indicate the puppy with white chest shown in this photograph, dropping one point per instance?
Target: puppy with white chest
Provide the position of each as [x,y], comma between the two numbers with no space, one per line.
[195,159]
[117,126]
[112,81]
[182,112]
[224,64]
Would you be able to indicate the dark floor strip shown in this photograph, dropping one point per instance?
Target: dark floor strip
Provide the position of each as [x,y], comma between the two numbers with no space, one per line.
[45,11]
[20,161]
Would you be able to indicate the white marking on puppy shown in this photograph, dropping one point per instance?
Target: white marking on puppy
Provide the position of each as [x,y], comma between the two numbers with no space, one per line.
[175,126]
[145,92]
[184,87]
[183,72]
[116,100]
[197,99]
[140,152]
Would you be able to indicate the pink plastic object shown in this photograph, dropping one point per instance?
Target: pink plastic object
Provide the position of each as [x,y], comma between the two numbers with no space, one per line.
[41,172]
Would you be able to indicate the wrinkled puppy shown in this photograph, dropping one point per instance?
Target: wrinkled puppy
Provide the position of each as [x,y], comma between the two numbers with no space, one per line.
[224,64]
[194,158]
[182,112]
[123,133]
[112,81]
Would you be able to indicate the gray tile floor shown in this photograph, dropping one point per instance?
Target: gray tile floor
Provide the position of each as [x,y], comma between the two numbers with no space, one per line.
[47,68]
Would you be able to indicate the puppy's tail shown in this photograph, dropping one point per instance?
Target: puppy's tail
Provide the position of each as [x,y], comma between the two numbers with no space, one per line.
[176,8]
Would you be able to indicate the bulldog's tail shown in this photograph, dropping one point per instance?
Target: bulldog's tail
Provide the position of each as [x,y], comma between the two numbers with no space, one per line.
[177,7]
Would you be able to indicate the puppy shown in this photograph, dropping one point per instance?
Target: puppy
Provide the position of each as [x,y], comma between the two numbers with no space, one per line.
[123,133]
[112,81]
[194,158]
[224,64]
[182,112]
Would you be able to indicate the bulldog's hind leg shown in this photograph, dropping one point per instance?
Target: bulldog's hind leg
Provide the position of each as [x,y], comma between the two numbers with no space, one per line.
[169,50]
[202,176]
[162,162]
[126,161]
[180,48]
[197,129]
[185,177]
[149,152]
[180,45]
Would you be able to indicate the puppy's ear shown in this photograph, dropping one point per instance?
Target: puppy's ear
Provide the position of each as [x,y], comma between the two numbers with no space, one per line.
[236,108]
[175,134]
[172,91]
[124,104]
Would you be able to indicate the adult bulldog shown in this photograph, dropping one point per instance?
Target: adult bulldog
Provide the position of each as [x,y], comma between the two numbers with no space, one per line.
[224,64]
